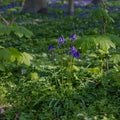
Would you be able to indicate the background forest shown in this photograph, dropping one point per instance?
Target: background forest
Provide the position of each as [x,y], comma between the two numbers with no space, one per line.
[59,60]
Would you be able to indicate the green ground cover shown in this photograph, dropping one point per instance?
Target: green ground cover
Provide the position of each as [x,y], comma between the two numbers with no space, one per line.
[43,77]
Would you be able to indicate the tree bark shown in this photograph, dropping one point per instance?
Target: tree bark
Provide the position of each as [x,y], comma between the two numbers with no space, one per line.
[34,6]
[71,7]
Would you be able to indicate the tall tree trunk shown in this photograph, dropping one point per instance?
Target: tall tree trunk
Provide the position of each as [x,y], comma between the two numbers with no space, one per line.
[34,6]
[71,7]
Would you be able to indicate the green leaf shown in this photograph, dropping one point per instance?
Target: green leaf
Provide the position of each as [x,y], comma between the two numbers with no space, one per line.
[95,70]
[21,31]
[4,29]
[5,54]
[87,42]
[115,39]
[115,58]
[74,67]
[27,33]
[26,58]
[34,76]
[15,55]
[92,55]
[104,42]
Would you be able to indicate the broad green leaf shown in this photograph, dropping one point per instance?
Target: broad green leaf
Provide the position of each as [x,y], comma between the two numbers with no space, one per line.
[95,70]
[27,33]
[15,55]
[74,67]
[115,39]
[34,76]
[92,55]
[21,31]
[115,58]
[87,42]
[26,58]
[5,54]
[104,43]
[102,52]
[17,31]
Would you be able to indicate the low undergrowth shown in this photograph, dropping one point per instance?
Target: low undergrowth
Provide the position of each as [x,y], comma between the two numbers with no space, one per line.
[66,68]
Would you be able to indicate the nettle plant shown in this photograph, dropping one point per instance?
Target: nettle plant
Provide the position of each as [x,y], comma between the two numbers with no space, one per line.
[11,55]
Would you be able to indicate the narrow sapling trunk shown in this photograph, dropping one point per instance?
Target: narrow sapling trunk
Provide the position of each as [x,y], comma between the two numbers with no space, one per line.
[71,7]
[104,32]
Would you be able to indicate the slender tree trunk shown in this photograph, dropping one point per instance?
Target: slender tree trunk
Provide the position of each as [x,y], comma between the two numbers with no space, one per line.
[71,7]
[34,6]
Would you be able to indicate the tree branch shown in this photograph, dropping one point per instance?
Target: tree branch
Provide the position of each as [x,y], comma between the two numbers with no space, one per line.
[4,20]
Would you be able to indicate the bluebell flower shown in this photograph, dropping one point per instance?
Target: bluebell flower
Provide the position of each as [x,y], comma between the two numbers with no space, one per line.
[73,37]
[77,55]
[50,47]
[61,40]
[73,52]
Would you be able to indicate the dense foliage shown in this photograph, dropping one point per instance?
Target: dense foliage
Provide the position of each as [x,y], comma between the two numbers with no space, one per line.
[59,67]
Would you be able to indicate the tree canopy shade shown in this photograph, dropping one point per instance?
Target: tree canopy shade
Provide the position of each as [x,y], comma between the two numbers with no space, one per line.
[34,6]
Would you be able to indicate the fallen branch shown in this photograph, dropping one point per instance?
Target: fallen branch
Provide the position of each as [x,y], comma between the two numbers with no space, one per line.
[4,20]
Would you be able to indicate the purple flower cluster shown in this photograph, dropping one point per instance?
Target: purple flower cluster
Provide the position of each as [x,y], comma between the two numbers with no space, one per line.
[61,40]
[50,47]
[73,51]
[73,37]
